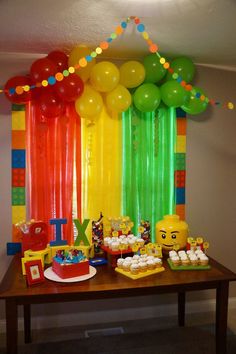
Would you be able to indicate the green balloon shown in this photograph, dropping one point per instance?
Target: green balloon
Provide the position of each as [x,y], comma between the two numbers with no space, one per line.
[173,94]
[147,97]
[153,68]
[184,67]
[195,105]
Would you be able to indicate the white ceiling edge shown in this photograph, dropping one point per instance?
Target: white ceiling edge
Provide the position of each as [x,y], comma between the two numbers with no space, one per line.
[219,67]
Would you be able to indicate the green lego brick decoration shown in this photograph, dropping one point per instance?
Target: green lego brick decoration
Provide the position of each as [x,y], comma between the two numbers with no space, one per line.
[18,196]
[180,162]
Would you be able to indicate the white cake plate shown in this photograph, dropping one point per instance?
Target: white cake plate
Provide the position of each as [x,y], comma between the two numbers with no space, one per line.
[51,275]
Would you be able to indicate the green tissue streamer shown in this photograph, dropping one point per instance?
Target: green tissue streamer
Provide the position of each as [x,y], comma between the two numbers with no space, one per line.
[148,165]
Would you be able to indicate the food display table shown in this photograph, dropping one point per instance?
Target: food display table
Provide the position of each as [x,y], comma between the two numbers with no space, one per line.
[109,284]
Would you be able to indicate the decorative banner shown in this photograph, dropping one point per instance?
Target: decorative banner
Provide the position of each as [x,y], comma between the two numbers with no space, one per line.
[19,88]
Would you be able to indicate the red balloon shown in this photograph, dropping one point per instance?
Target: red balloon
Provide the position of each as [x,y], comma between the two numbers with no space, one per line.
[50,104]
[12,84]
[37,92]
[70,88]
[41,69]
[60,59]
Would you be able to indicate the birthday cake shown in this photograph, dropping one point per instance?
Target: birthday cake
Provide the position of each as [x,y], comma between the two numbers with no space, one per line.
[70,264]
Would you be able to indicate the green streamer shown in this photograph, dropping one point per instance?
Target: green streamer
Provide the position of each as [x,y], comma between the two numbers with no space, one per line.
[148,163]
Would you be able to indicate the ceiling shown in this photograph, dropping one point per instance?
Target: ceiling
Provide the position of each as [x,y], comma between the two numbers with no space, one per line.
[201,29]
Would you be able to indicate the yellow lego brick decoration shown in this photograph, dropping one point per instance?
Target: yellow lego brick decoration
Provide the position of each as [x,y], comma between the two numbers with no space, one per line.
[18,120]
[18,213]
[181,144]
[44,254]
[27,259]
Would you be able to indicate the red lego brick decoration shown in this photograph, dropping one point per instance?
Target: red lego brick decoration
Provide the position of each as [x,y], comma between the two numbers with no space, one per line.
[180,178]
[18,177]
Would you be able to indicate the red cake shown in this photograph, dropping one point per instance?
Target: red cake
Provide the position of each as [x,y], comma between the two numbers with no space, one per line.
[70,266]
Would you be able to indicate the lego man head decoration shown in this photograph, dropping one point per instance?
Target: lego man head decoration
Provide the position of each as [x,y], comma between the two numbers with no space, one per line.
[171,233]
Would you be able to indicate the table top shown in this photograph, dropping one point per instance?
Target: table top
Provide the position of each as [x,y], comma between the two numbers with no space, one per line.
[107,283]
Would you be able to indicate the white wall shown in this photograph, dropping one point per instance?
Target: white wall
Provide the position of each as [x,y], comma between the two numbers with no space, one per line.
[211,168]
[210,191]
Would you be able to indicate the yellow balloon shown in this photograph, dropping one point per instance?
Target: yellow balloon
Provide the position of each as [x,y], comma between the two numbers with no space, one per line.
[90,104]
[132,74]
[76,54]
[119,99]
[104,76]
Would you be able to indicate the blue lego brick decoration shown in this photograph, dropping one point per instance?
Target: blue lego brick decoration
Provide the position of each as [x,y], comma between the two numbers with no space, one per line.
[18,158]
[180,195]
[13,248]
[180,113]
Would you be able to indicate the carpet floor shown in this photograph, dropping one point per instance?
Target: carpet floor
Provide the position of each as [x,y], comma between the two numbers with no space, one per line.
[192,340]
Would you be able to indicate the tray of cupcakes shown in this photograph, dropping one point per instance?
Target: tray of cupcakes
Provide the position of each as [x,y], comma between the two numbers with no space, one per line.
[188,260]
[139,266]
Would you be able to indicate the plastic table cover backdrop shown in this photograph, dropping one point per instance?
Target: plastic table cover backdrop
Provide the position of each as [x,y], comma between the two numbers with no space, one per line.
[124,165]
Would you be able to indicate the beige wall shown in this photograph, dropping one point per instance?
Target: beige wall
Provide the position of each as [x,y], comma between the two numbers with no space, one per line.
[211,168]
[210,190]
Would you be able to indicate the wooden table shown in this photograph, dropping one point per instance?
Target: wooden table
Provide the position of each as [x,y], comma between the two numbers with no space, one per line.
[109,284]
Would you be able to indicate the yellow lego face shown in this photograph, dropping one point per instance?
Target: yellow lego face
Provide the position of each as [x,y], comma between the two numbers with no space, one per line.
[171,232]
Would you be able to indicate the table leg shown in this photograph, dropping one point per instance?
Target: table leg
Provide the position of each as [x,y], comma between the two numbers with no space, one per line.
[222,292]
[27,323]
[11,326]
[181,308]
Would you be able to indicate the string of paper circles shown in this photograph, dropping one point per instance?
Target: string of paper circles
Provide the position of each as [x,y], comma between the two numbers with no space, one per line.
[59,78]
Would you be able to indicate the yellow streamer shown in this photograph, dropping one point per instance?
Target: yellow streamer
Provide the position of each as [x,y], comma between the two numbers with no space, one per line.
[101,167]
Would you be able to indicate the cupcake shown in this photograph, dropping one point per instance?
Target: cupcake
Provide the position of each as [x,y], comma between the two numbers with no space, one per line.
[158,262]
[172,253]
[193,260]
[128,259]
[150,258]
[106,241]
[136,257]
[189,252]
[150,265]
[198,252]
[124,243]
[126,266]
[115,246]
[143,266]
[109,242]
[120,262]
[122,237]
[134,269]
[203,259]
[175,260]
[131,243]
[181,253]
[185,261]
[143,256]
